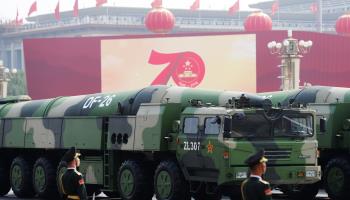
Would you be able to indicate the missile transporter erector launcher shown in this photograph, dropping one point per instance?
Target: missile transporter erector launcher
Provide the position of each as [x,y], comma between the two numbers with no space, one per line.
[332,106]
[169,141]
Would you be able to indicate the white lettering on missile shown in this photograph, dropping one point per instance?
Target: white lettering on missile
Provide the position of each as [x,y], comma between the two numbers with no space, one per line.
[102,101]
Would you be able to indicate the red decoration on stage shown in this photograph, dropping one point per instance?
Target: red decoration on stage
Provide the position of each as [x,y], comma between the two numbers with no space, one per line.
[258,21]
[159,20]
[342,25]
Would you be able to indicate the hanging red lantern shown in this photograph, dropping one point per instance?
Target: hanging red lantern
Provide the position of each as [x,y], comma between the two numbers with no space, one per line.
[159,20]
[342,25]
[258,21]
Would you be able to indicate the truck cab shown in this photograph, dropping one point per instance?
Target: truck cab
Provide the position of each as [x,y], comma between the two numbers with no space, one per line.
[213,143]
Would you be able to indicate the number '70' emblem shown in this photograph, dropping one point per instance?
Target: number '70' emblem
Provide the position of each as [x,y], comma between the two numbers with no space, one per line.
[186,68]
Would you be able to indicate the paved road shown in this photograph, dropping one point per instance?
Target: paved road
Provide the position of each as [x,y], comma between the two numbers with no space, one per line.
[276,196]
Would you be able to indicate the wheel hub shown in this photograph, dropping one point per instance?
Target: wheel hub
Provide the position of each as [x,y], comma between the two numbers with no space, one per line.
[39,178]
[127,182]
[16,176]
[335,179]
[164,184]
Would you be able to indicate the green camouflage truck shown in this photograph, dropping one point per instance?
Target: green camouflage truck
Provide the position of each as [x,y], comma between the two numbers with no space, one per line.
[332,106]
[169,141]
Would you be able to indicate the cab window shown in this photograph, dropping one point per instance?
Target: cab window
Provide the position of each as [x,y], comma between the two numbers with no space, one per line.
[191,125]
[212,126]
[250,125]
[289,125]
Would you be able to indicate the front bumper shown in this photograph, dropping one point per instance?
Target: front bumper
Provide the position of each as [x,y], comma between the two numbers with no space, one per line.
[277,175]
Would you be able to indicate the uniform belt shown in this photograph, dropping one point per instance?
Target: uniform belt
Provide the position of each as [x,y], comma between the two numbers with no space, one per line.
[75,197]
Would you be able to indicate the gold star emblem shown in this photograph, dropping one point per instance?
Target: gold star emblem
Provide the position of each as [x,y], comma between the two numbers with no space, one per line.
[210,147]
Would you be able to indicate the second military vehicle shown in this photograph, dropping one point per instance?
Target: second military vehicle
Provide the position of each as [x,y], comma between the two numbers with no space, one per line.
[169,141]
[332,106]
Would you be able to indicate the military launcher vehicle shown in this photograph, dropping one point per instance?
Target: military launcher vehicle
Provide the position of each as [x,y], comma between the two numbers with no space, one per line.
[332,106]
[169,141]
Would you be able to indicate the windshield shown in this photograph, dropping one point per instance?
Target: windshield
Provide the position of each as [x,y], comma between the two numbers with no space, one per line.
[257,125]
[254,125]
[294,126]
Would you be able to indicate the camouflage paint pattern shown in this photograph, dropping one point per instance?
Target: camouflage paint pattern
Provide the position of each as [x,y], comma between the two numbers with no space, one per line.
[202,155]
[330,103]
[140,120]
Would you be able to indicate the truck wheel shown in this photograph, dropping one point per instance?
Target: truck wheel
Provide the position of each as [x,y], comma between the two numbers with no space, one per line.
[21,178]
[62,167]
[169,183]
[134,183]
[4,178]
[337,179]
[44,178]
[307,191]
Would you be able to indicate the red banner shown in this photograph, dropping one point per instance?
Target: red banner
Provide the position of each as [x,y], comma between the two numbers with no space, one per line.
[32,8]
[76,9]
[234,8]
[57,11]
[195,5]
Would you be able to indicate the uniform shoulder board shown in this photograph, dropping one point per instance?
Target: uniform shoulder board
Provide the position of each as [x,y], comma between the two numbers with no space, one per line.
[77,172]
[265,182]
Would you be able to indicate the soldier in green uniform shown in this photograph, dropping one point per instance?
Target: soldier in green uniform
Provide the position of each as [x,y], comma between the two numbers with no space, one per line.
[254,187]
[73,185]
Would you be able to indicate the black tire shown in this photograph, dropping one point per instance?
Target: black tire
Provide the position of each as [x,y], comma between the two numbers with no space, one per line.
[134,181]
[301,192]
[21,178]
[4,177]
[61,168]
[44,178]
[178,190]
[337,179]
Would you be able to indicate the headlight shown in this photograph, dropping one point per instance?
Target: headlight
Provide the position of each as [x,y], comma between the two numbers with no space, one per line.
[310,173]
[241,175]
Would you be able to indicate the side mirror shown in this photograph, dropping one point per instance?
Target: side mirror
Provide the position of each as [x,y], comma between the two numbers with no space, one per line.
[176,126]
[227,126]
[323,127]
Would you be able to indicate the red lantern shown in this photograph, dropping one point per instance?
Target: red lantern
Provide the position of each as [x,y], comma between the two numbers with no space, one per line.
[342,25]
[159,20]
[258,21]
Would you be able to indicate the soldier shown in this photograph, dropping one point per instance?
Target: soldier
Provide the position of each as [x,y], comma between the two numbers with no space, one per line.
[72,181]
[254,187]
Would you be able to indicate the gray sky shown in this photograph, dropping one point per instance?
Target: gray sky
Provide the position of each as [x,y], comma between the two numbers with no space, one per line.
[8,8]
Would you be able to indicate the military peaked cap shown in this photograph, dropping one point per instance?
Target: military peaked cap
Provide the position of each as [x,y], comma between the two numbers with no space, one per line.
[256,158]
[70,155]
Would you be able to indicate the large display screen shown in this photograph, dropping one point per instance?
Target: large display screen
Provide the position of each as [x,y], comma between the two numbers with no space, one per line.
[226,62]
